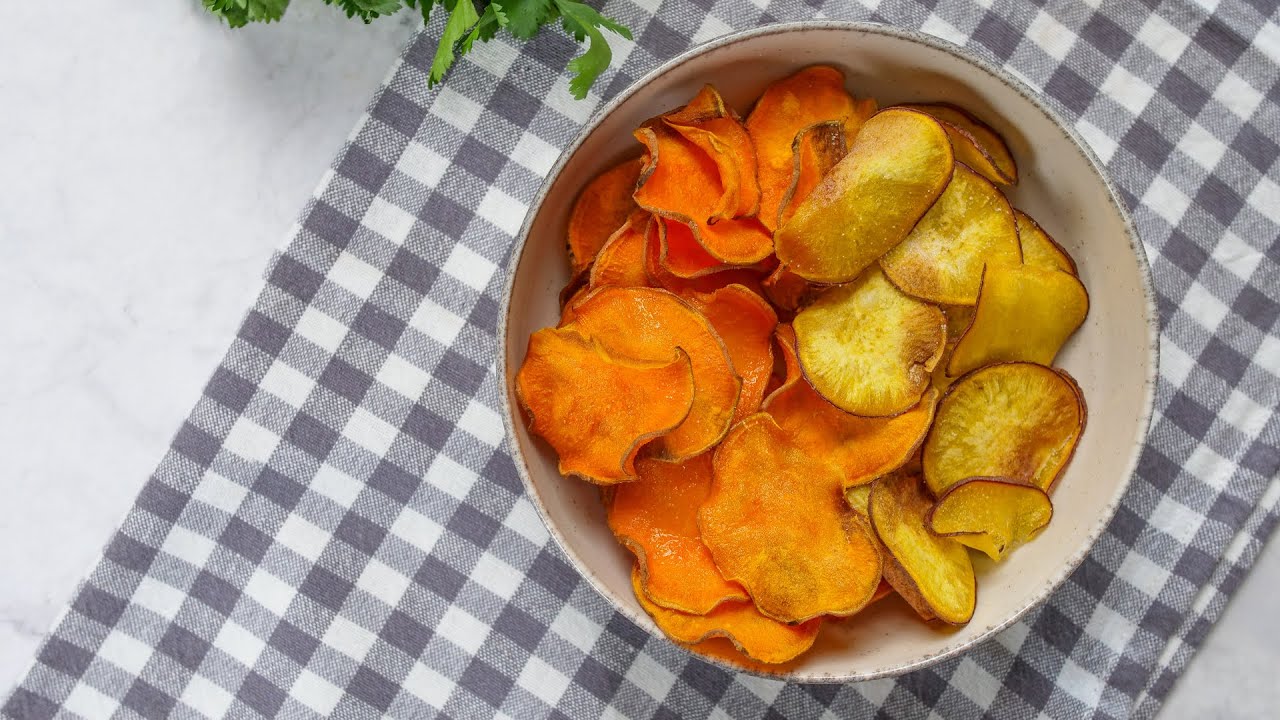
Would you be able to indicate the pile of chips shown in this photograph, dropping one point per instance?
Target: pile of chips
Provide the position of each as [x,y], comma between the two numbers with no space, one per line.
[809,357]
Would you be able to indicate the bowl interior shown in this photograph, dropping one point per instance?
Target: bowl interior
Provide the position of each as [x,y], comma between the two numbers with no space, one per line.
[1112,356]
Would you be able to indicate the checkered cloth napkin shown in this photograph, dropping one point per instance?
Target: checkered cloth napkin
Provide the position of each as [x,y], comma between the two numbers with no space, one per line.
[338,529]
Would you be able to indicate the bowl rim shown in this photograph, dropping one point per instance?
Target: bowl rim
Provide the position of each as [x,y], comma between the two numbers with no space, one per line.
[962,54]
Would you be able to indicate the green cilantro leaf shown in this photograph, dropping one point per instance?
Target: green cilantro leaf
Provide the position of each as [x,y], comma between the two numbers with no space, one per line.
[584,22]
[466,24]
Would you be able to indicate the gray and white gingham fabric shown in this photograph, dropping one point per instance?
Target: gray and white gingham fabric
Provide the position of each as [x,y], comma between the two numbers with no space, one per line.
[338,529]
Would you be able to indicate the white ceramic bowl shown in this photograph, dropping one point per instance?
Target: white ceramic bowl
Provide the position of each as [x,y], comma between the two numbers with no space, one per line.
[1113,356]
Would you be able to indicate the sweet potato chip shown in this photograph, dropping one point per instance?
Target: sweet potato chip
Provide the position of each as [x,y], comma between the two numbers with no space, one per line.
[777,523]
[757,636]
[1024,312]
[621,261]
[869,348]
[812,95]
[680,252]
[933,574]
[862,447]
[681,182]
[991,515]
[787,290]
[1014,420]
[896,168]
[709,124]
[648,323]
[656,518]
[601,208]
[816,150]
[1039,248]
[971,225]
[745,321]
[597,408]
[981,144]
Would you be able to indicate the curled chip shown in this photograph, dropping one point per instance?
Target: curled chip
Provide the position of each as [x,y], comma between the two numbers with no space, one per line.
[868,348]
[991,515]
[1023,313]
[975,141]
[680,253]
[709,124]
[777,523]
[897,166]
[815,152]
[681,182]
[621,261]
[1038,248]
[933,574]
[648,324]
[786,290]
[757,636]
[601,208]
[656,518]
[812,95]
[862,447]
[1014,420]
[597,408]
[971,225]
[745,321]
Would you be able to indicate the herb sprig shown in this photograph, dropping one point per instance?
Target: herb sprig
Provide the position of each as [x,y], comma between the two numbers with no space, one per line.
[467,22]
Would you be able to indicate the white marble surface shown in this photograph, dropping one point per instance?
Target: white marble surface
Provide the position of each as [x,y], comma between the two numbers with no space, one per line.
[150,160]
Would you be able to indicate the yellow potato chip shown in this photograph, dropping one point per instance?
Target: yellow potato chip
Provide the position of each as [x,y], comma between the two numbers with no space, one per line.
[991,515]
[970,226]
[1014,420]
[869,348]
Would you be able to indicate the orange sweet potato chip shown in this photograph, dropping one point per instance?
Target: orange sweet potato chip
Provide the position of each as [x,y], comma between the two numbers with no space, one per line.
[601,208]
[649,324]
[621,261]
[777,522]
[709,124]
[815,151]
[864,448]
[787,290]
[757,636]
[682,182]
[656,518]
[813,95]
[680,252]
[597,408]
[745,322]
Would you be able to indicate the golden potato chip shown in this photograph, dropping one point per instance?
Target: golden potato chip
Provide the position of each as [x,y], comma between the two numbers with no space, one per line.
[597,408]
[933,574]
[896,168]
[1038,248]
[867,347]
[1014,420]
[812,95]
[656,518]
[648,324]
[982,144]
[858,497]
[991,515]
[777,523]
[601,208]
[971,225]
[815,152]
[1024,312]
[757,636]
[958,319]
[621,261]
[745,321]
[862,447]
[681,182]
